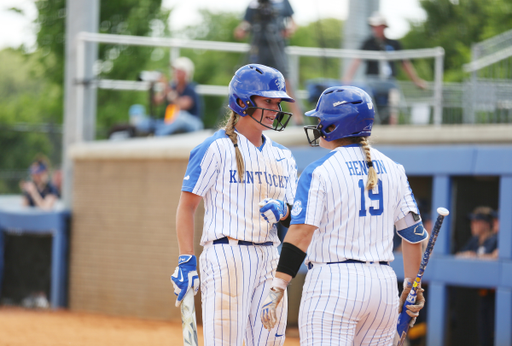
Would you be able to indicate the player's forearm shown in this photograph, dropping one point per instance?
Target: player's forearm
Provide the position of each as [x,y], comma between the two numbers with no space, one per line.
[293,253]
[283,276]
[412,258]
[185,234]
[185,222]
[300,236]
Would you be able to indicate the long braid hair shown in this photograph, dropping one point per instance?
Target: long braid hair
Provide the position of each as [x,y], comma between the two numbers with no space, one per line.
[372,175]
[230,132]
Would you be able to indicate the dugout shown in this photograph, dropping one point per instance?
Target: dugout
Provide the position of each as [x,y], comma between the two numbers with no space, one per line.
[33,252]
[125,193]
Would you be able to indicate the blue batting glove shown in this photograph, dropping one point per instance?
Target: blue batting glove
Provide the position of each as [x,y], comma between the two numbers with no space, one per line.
[273,210]
[185,277]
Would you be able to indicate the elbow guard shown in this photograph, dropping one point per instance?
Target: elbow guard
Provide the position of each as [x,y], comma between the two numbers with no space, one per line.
[411,228]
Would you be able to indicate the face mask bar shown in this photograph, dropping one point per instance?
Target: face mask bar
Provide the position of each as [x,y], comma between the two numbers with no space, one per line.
[314,139]
[280,121]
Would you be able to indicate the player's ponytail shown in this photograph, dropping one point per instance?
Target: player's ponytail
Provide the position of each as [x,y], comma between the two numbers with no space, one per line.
[372,175]
[230,132]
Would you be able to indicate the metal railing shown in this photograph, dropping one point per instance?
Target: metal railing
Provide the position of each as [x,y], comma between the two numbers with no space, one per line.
[488,92]
[294,54]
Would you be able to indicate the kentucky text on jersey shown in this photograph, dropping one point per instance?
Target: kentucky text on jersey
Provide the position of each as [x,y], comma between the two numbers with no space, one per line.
[271,179]
[361,168]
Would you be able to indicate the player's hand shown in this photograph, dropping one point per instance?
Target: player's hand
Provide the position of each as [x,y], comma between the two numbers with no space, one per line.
[185,277]
[273,210]
[412,310]
[268,310]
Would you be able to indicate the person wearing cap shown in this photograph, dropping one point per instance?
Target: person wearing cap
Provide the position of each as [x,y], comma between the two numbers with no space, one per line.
[39,191]
[483,241]
[183,112]
[483,245]
[381,74]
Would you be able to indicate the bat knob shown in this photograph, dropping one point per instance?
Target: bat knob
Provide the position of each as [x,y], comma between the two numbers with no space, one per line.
[443,211]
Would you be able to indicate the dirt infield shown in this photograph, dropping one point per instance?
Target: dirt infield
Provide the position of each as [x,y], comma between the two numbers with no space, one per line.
[24,327]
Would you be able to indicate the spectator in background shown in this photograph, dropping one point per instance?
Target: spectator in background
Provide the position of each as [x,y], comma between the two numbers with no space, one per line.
[381,74]
[483,241]
[38,191]
[183,106]
[271,24]
[483,245]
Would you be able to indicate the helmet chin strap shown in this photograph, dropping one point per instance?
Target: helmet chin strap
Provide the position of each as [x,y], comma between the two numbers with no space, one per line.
[280,121]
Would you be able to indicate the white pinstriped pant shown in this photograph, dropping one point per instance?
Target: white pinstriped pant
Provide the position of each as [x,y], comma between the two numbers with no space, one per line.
[235,280]
[349,304]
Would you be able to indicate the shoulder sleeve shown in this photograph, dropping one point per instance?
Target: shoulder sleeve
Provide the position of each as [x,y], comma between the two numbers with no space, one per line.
[291,187]
[202,169]
[309,199]
[406,203]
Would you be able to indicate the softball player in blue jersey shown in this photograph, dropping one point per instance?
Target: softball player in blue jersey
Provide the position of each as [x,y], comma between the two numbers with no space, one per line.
[346,206]
[247,182]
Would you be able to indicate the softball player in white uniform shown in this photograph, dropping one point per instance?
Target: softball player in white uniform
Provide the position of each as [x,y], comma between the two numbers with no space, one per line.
[345,210]
[247,182]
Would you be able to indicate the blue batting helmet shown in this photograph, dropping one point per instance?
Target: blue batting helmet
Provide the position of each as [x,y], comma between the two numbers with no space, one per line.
[255,80]
[348,108]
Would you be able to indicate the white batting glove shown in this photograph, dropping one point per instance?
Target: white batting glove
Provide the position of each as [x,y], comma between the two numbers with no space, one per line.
[273,210]
[268,310]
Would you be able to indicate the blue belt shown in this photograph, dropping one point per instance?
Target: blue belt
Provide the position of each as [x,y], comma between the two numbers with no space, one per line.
[310,265]
[225,240]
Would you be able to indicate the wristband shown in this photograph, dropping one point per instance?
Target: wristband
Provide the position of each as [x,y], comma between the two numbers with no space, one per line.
[290,260]
[280,283]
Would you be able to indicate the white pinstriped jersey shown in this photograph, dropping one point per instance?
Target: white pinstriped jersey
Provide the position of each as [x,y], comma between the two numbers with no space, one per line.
[231,207]
[353,223]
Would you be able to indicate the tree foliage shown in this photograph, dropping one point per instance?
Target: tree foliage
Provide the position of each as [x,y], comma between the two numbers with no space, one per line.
[26,96]
[127,17]
[455,26]
[31,83]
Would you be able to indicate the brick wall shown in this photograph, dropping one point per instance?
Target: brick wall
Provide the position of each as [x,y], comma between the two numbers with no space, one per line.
[123,245]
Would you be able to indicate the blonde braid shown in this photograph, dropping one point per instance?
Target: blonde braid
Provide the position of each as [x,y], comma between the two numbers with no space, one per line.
[372,175]
[230,132]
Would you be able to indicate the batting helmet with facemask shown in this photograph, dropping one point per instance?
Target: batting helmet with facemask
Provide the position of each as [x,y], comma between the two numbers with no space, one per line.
[342,111]
[258,80]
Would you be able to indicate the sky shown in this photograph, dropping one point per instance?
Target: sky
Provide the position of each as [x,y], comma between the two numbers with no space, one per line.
[17,29]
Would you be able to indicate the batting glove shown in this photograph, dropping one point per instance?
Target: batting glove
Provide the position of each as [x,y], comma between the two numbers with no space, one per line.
[273,210]
[185,277]
[412,310]
[268,310]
